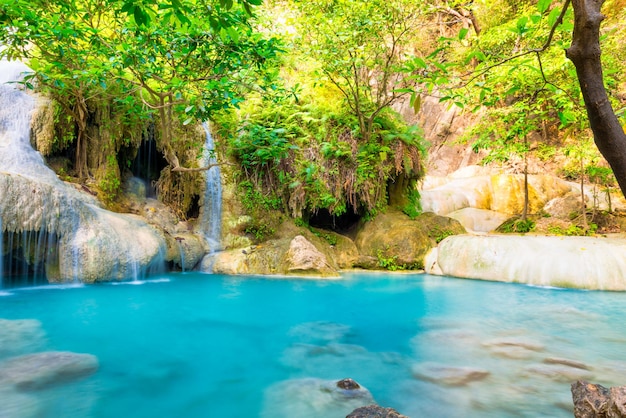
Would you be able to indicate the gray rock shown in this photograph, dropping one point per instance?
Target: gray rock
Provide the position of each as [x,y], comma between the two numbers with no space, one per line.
[41,370]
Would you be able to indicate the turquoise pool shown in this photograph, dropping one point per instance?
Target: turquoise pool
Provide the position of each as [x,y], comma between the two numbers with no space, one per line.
[195,345]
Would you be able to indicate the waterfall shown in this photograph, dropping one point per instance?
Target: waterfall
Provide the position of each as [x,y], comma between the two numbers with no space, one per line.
[181,250]
[211,220]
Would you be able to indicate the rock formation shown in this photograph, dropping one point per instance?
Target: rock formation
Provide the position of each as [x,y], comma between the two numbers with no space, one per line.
[375,411]
[75,238]
[578,262]
[596,401]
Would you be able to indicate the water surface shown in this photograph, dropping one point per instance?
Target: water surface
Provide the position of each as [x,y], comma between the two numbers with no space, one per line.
[194,345]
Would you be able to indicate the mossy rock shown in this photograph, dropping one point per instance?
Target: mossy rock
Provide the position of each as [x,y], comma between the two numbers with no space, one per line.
[399,242]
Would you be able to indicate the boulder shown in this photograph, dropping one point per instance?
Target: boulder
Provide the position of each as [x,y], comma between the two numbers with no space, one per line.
[375,411]
[575,262]
[394,238]
[41,370]
[303,258]
[296,257]
[596,401]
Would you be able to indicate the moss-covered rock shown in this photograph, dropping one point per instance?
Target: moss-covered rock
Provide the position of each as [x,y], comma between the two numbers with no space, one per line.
[398,241]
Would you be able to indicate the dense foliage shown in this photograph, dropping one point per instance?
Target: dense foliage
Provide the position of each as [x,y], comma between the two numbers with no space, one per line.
[168,64]
[303,93]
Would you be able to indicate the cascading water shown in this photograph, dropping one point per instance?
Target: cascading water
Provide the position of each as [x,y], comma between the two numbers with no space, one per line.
[212,212]
[51,231]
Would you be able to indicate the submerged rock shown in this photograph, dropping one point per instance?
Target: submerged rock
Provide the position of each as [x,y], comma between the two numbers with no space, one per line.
[448,375]
[41,370]
[312,398]
[558,372]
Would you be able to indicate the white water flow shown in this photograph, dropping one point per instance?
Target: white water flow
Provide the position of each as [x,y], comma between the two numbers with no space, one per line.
[212,212]
[181,250]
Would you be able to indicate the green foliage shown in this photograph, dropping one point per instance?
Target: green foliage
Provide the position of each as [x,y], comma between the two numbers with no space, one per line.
[388,262]
[439,234]
[308,155]
[361,47]
[573,230]
[517,225]
[173,63]
[413,208]
[110,183]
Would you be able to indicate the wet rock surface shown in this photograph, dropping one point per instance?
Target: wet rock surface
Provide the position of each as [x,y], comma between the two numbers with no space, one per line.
[312,397]
[596,401]
[448,375]
[42,370]
[375,411]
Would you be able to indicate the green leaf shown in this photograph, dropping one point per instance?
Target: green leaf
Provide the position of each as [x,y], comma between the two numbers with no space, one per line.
[463,33]
[553,16]
[416,102]
[543,5]
[188,121]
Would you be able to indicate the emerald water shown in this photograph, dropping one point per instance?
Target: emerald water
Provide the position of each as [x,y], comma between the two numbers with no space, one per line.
[194,345]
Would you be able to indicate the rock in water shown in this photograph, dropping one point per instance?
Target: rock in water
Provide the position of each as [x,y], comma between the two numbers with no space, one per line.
[577,262]
[596,401]
[312,398]
[375,411]
[41,370]
[448,375]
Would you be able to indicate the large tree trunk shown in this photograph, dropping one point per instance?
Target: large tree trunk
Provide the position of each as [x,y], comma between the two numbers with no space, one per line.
[608,134]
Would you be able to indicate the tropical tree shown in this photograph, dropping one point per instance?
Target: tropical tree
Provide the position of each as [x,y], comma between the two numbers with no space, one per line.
[585,53]
[170,62]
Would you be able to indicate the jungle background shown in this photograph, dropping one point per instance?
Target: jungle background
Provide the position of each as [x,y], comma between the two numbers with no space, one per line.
[319,108]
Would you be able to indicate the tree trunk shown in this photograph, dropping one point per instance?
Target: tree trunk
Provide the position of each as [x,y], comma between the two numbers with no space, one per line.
[584,52]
